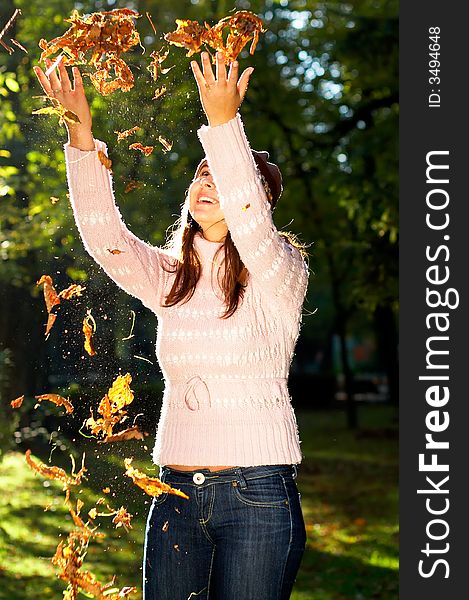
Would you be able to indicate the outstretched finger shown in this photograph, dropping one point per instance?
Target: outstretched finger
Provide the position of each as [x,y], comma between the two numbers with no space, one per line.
[45,83]
[207,67]
[77,79]
[244,81]
[64,78]
[220,67]
[200,79]
[53,78]
[233,74]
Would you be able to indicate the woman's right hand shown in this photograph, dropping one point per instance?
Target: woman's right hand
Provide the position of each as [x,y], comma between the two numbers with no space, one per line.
[58,85]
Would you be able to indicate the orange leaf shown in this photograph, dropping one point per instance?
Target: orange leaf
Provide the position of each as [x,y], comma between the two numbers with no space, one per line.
[151,485]
[121,135]
[17,402]
[132,433]
[104,160]
[147,150]
[89,328]
[58,400]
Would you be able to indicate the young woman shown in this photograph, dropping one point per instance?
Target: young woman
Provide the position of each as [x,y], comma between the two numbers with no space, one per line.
[228,291]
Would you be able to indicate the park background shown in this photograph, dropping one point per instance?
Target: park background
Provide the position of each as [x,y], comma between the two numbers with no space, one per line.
[323,100]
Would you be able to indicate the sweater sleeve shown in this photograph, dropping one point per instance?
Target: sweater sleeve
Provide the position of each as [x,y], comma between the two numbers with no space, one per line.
[132,264]
[277,267]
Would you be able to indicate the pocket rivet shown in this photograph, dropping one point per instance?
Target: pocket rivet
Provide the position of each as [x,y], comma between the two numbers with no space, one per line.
[286,502]
[234,483]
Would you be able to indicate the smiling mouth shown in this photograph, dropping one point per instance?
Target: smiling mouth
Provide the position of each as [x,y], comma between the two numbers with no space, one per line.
[206,200]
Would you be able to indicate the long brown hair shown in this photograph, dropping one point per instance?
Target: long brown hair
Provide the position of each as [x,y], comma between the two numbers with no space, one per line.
[188,268]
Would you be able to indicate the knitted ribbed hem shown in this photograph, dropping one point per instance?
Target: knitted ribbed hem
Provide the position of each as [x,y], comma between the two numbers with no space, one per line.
[245,444]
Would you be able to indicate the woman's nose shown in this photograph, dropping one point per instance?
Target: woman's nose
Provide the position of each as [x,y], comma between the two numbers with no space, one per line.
[208,182]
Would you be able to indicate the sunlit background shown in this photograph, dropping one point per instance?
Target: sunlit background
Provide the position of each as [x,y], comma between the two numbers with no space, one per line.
[323,100]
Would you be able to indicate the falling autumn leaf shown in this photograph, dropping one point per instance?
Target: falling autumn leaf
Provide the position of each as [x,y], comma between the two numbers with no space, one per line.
[132,185]
[89,329]
[132,433]
[56,472]
[54,199]
[122,135]
[166,145]
[56,399]
[242,26]
[147,150]
[155,66]
[52,299]
[122,518]
[104,160]
[111,409]
[56,109]
[98,40]
[151,485]
[159,92]
[17,402]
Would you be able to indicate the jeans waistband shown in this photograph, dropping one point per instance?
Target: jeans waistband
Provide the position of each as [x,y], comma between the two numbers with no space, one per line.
[239,474]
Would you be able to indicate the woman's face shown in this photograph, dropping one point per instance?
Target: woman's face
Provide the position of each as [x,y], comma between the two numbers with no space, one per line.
[203,199]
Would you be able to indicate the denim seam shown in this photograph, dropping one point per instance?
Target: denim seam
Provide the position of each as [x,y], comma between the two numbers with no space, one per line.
[210,507]
[291,536]
[210,572]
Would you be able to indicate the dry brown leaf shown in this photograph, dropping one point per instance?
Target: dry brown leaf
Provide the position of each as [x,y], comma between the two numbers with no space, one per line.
[98,40]
[132,185]
[122,518]
[166,145]
[111,408]
[56,109]
[56,472]
[17,402]
[132,433]
[104,160]
[89,329]
[52,299]
[58,400]
[159,92]
[122,135]
[157,57]
[151,485]
[50,295]
[147,150]
[75,289]
[242,26]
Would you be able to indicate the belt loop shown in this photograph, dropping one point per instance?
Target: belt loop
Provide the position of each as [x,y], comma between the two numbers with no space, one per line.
[240,478]
[294,471]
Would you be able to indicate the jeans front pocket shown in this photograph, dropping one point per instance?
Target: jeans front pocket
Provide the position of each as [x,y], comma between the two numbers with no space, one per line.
[267,491]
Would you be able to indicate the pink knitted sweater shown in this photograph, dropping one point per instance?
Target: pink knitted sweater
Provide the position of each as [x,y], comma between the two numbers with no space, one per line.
[226,400]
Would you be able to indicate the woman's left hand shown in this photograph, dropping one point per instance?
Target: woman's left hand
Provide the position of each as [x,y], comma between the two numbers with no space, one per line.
[221,96]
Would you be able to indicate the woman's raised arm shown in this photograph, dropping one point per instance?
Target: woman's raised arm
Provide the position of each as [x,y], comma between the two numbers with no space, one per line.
[277,268]
[134,265]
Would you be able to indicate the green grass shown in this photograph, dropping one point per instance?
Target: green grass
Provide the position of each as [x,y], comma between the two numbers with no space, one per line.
[349,496]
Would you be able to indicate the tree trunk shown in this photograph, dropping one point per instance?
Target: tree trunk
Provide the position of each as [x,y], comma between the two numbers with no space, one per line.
[387,343]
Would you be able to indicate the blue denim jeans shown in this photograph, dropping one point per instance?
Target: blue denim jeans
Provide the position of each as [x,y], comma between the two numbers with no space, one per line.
[241,535]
